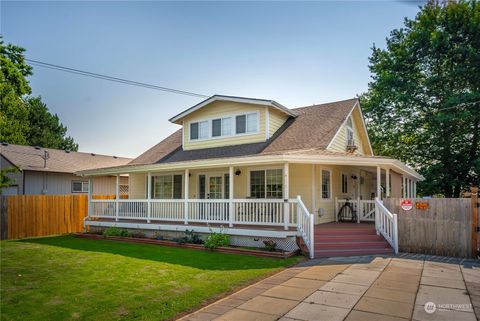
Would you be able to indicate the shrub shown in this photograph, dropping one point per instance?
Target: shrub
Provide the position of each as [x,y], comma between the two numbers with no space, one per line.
[270,245]
[115,231]
[215,240]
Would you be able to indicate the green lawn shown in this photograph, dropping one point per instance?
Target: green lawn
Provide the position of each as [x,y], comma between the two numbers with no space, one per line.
[65,278]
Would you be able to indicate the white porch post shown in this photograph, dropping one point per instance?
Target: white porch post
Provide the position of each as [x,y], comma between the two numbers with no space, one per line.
[414,189]
[387,182]
[409,188]
[404,185]
[379,182]
[286,205]
[185,195]
[314,194]
[149,196]
[117,196]
[230,197]
[90,190]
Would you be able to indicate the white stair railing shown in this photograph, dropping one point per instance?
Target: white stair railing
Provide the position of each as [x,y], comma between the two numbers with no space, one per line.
[386,224]
[305,224]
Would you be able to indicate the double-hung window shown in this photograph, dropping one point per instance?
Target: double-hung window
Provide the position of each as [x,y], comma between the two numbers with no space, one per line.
[326,187]
[199,130]
[222,127]
[349,126]
[79,187]
[266,183]
[246,124]
[167,187]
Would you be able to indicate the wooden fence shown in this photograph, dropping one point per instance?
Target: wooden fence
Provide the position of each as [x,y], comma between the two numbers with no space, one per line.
[41,215]
[437,226]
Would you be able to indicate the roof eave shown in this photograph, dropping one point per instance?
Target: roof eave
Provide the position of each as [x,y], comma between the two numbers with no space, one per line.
[256,160]
[254,101]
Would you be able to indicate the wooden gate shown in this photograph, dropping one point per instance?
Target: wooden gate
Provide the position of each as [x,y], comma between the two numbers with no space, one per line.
[437,226]
[41,215]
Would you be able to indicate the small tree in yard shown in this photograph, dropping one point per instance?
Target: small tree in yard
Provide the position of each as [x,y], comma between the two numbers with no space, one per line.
[423,105]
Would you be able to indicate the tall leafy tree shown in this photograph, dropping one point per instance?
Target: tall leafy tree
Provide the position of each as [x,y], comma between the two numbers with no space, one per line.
[13,85]
[26,120]
[46,130]
[423,103]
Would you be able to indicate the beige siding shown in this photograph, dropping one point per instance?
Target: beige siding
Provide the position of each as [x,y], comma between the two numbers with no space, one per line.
[276,120]
[138,185]
[339,142]
[106,185]
[396,183]
[222,109]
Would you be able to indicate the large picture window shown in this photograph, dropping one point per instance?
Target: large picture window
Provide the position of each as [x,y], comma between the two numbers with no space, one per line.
[266,183]
[326,186]
[167,187]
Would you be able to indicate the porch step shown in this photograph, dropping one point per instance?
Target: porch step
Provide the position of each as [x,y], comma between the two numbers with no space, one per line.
[380,244]
[347,238]
[352,252]
[335,232]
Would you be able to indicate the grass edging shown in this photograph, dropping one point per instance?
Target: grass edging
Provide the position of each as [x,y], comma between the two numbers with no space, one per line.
[232,250]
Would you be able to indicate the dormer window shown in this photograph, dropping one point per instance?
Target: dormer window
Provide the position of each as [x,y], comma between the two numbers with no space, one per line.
[246,123]
[199,130]
[243,124]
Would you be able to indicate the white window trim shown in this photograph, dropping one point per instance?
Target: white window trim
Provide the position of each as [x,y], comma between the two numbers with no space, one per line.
[261,169]
[341,183]
[234,127]
[321,184]
[84,183]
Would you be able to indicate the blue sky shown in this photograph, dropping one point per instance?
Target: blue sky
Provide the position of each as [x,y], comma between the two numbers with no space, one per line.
[297,53]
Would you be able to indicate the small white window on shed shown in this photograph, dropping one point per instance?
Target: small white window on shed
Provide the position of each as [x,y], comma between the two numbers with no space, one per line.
[79,187]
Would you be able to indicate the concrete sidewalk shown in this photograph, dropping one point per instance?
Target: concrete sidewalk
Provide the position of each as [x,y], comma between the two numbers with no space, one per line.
[363,288]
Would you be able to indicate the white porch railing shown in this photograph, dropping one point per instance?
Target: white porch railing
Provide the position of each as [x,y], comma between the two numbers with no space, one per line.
[305,226]
[272,212]
[386,224]
[365,209]
[260,212]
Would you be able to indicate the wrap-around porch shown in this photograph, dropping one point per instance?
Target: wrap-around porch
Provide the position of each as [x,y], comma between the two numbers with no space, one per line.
[269,200]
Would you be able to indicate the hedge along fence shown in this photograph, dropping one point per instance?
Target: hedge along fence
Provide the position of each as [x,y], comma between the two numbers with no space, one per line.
[41,215]
[437,226]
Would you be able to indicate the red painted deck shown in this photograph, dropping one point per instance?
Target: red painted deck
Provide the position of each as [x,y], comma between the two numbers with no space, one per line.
[347,239]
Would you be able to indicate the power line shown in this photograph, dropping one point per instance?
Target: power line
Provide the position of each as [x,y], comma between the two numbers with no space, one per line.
[114,79]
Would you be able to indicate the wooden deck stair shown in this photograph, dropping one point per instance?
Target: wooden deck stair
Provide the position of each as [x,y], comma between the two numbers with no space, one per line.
[349,239]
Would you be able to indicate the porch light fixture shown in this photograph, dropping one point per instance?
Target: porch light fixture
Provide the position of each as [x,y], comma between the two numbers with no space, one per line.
[238,172]
[354,177]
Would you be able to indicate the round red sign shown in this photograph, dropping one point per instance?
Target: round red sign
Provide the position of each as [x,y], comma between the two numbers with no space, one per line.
[406,205]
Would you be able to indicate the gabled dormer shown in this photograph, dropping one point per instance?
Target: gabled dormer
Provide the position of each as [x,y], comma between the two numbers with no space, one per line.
[226,120]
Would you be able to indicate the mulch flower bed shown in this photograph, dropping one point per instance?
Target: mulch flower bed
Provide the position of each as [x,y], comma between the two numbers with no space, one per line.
[234,250]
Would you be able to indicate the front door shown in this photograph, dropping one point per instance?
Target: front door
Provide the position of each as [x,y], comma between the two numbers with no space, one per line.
[215,187]
[210,186]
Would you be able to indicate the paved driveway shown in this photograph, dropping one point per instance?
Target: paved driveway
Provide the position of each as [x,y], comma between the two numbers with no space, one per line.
[364,288]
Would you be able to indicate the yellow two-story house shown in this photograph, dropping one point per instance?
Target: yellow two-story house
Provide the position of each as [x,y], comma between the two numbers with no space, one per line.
[262,171]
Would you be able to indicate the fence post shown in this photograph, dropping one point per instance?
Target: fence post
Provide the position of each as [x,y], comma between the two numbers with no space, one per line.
[474,198]
[4,217]
[395,231]
[359,209]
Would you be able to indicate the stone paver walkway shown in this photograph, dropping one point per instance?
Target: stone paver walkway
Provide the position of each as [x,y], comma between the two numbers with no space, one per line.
[357,289]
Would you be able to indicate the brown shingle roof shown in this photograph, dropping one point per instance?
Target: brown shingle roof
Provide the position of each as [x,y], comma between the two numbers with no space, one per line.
[31,158]
[313,129]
